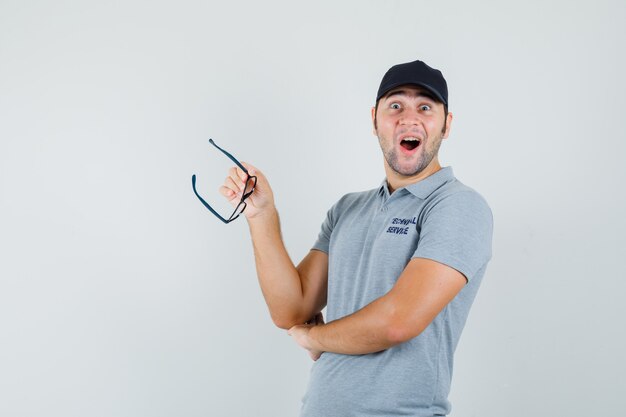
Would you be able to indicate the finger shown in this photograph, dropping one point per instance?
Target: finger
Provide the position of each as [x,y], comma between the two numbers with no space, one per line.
[247,185]
[249,167]
[232,184]
[228,193]
[238,177]
[252,170]
[241,174]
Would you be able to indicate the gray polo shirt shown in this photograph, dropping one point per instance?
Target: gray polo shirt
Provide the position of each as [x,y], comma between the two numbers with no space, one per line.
[370,237]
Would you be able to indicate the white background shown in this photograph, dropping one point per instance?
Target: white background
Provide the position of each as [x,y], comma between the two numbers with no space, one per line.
[120,295]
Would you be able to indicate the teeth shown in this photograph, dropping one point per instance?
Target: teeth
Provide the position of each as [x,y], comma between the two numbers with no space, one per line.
[411,139]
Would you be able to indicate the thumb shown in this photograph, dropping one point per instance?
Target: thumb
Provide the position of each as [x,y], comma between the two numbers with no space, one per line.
[252,170]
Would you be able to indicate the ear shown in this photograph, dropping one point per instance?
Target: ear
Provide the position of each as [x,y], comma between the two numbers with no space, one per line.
[448,125]
[374,121]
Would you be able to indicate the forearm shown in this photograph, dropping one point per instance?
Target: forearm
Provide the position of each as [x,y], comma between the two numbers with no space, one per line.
[368,330]
[278,277]
[422,291]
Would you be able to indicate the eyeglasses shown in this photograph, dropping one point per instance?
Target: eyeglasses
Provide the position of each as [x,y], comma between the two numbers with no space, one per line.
[247,191]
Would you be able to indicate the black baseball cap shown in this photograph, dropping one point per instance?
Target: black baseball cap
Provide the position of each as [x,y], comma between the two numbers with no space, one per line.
[416,73]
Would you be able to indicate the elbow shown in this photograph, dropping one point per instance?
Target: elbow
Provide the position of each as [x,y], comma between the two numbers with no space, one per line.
[282,324]
[289,317]
[284,321]
[396,334]
[400,331]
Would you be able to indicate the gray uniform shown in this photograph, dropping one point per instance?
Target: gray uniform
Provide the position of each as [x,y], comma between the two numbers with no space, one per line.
[370,237]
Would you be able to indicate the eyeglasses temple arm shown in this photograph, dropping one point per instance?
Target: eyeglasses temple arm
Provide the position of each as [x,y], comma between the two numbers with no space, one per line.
[232,158]
[193,185]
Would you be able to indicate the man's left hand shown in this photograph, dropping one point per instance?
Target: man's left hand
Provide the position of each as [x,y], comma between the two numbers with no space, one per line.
[300,333]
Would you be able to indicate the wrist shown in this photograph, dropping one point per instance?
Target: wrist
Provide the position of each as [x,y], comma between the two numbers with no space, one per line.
[313,338]
[263,216]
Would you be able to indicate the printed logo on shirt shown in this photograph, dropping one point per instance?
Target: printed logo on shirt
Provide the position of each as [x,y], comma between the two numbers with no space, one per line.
[402,227]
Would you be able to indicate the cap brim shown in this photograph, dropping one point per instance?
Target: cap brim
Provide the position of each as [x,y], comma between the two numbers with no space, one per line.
[424,85]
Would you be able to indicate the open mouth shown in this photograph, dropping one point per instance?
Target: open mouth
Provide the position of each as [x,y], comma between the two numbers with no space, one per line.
[410,143]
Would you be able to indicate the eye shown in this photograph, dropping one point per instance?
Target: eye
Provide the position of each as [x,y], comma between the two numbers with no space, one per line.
[425,107]
[395,106]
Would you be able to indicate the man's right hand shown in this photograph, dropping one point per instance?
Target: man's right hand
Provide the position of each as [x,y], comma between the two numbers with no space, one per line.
[260,202]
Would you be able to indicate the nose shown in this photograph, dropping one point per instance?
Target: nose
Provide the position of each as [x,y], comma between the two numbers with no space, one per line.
[410,117]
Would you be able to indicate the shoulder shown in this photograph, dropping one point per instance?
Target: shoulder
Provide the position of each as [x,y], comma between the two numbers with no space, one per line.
[455,200]
[455,193]
[456,228]
[355,199]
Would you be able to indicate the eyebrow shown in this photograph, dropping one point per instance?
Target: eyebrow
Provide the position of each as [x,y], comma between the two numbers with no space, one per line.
[419,94]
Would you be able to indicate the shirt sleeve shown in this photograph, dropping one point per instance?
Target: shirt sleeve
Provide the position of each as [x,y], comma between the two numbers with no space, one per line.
[457,231]
[323,238]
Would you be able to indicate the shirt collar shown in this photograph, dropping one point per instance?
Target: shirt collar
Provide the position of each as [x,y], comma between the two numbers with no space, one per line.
[423,188]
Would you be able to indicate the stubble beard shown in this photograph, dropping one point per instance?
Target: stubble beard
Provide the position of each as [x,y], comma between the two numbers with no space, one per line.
[423,159]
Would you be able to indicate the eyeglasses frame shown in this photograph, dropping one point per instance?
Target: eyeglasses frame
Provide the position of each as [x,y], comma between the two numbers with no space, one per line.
[244,195]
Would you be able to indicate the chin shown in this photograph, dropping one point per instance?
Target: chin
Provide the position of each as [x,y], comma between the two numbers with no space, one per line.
[409,172]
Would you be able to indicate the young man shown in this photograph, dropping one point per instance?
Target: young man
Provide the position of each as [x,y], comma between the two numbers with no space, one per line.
[398,266]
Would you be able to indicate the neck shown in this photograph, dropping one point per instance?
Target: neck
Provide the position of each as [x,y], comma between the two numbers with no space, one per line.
[395,180]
